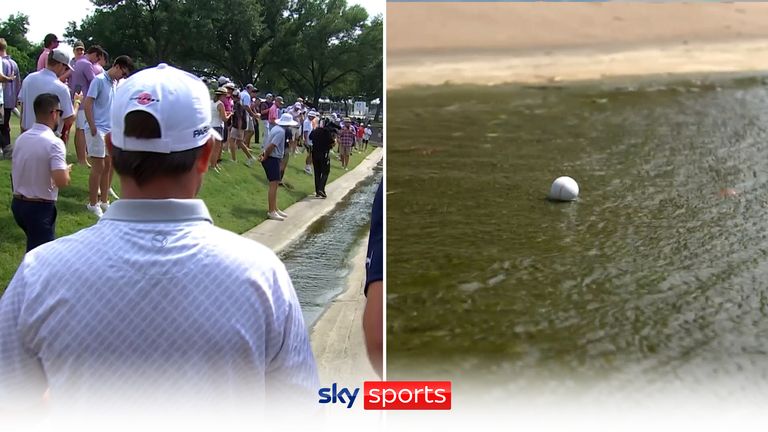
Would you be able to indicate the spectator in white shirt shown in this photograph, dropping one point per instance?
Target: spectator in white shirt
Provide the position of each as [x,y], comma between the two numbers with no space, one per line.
[38,170]
[154,305]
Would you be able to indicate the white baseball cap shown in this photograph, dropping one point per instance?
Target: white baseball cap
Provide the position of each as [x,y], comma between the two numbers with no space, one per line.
[177,99]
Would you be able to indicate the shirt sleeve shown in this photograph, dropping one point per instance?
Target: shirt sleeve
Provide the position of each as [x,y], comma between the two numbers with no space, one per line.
[291,370]
[374,266]
[58,156]
[22,378]
[65,102]
[94,89]
[87,71]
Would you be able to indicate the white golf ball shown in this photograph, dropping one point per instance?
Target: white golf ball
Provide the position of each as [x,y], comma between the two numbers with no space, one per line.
[564,189]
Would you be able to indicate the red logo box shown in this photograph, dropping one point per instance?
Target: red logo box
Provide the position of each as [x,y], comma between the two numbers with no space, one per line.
[407,395]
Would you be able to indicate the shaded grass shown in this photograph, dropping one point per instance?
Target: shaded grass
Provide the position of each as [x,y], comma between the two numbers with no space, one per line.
[236,198]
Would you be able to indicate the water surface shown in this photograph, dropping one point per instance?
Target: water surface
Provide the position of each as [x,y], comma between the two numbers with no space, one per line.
[318,263]
[650,275]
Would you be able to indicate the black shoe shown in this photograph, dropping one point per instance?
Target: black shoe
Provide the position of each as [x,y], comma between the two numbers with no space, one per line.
[322,193]
[318,195]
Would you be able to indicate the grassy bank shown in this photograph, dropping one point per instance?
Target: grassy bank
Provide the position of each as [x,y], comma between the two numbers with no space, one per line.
[236,198]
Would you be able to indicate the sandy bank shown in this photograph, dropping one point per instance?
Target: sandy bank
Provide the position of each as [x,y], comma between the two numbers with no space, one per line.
[489,43]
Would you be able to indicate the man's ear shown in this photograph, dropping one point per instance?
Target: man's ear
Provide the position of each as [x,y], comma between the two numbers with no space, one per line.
[205,156]
[108,142]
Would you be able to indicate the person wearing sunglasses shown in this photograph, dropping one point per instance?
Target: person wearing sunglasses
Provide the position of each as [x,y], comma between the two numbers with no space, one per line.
[38,170]
[97,105]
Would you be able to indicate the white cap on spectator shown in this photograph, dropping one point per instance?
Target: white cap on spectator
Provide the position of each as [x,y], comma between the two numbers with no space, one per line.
[177,99]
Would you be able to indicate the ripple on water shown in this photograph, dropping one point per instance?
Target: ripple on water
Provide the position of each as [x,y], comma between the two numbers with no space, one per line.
[651,277]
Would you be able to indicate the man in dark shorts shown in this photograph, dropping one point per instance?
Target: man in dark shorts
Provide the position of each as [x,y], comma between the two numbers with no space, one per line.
[273,150]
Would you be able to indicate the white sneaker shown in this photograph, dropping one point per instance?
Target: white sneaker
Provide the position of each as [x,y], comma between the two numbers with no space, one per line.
[114,195]
[275,216]
[282,213]
[95,209]
[249,163]
[308,169]
[104,205]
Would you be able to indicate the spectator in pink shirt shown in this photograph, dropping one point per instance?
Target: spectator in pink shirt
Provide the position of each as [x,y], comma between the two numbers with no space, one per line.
[274,111]
[51,42]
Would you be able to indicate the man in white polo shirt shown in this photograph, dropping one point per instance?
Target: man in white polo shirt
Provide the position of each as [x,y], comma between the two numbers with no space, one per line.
[97,107]
[154,304]
[39,169]
[46,80]
[246,99]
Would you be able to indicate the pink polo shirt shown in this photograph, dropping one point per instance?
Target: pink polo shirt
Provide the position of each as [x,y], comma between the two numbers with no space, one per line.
[43,59]
[273,117]
[228,104]
[37,152]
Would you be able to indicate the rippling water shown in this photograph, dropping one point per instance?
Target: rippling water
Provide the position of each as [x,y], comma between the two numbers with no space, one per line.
[654,273]
[319,262]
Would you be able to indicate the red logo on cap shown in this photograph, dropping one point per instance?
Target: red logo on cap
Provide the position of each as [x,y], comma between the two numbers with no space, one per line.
[145,99]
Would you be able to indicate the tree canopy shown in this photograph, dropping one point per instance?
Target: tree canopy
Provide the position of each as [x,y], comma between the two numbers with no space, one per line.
[313,48]
[14,30]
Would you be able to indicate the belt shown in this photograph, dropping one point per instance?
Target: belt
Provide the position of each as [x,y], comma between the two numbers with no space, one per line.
[23,198]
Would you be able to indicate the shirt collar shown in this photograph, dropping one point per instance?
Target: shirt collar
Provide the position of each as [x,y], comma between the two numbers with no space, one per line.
[163,210]
[40,127]
[45,70]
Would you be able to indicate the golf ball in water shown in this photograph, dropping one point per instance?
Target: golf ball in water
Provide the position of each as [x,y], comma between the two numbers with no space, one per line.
[564,189]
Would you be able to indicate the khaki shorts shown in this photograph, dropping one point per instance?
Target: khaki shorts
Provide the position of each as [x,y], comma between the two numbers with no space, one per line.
[345,150]
[236,134]
[95,144]
[80,120]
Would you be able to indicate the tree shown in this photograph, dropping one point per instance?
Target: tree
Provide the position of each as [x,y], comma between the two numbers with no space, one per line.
[238,38]
[146,30]
[370,80]
[325,47]
[14,29]
[293,47]
[25,63]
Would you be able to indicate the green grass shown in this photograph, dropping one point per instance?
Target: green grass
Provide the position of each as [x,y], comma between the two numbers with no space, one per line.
[236,198]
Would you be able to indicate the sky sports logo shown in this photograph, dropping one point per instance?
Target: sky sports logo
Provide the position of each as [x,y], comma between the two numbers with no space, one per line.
[391,395]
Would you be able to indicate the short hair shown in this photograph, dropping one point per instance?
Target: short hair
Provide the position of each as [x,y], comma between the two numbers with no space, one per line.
[126,62]
[96,49]
[3,44]
[44,104]
[49,38]
[144,167]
